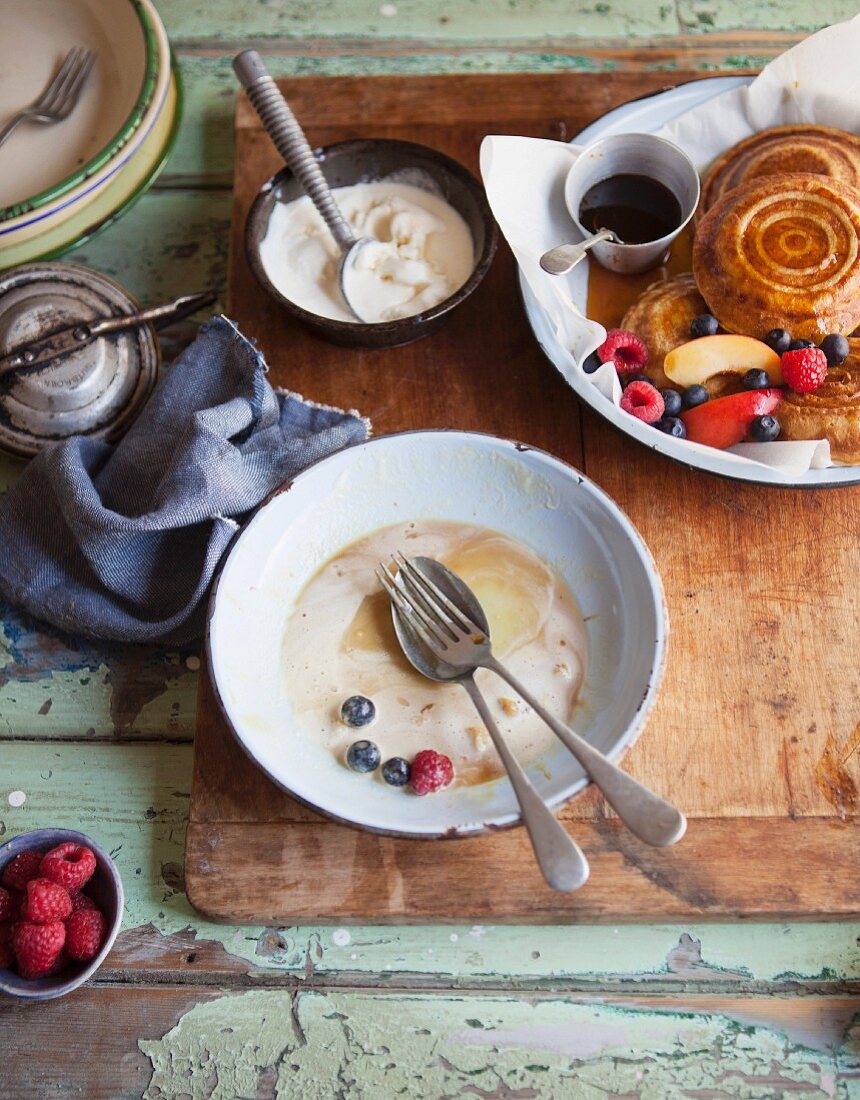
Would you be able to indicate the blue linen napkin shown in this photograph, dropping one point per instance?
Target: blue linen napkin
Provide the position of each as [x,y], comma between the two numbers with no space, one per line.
[121,541]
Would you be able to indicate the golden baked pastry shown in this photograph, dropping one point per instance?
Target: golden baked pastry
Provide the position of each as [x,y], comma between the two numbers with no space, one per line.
[785,256]
[661,318]
[831,412]
[780,151]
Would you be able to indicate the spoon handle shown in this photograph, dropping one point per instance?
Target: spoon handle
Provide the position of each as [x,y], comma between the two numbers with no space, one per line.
[565,257]
[283,128]
[647,815]
[561,860]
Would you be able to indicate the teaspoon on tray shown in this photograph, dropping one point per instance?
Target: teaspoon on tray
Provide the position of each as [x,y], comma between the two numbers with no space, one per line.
[561,860]
[459,634]
[284,129]
[565,257]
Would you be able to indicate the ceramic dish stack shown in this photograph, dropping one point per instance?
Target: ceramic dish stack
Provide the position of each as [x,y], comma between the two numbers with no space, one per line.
[62,183]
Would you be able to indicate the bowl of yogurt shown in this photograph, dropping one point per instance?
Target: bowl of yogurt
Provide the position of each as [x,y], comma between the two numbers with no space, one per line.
[435,232]
[298,625]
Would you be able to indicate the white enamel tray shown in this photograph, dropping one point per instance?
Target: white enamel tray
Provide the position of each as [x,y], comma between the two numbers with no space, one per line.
[645,116]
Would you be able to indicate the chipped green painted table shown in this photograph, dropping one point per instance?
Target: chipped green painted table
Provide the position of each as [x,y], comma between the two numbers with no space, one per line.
[100,736]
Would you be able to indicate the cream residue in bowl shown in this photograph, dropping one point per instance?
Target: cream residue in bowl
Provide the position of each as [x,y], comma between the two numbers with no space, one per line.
[424,253]
[339,641]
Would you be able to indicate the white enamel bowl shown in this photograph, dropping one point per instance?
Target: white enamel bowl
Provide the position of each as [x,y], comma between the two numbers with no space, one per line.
[460,476]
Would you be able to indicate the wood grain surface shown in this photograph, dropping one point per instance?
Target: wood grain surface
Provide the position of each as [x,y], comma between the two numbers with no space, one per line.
[755,731]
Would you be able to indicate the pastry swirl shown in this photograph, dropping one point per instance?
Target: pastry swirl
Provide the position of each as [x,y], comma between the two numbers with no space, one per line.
[783,255]
[780,151]
[831,412]
[661,318]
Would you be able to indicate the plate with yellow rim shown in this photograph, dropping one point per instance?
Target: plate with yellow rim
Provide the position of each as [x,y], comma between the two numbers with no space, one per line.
[118,197]
[46,166]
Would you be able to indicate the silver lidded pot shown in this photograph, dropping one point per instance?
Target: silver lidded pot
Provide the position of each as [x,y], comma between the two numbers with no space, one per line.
[96,390]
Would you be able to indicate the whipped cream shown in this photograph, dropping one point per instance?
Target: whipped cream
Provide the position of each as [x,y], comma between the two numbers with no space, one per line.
[423,252]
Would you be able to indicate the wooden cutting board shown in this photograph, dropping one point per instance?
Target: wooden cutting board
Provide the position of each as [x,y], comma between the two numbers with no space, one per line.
[757,728]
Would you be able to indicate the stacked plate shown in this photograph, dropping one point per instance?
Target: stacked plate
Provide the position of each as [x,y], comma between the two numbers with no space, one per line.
[61,183]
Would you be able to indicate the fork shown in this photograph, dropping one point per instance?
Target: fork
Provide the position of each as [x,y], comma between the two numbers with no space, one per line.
[60,97]
[561,860]
[458,640]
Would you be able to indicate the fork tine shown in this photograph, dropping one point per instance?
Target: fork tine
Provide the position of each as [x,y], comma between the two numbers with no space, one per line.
[418,615]
[431,610]
[83,76]
[413,618]
[437,596]
[70,95]
[47,98]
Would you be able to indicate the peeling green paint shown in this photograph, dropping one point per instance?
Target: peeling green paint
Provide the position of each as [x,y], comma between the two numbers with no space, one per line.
[134,798]
[366,1045]
[451,20]
[791,15]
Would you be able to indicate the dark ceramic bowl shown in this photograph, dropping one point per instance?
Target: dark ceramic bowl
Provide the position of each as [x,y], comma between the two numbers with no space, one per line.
[105,888]
[362,161]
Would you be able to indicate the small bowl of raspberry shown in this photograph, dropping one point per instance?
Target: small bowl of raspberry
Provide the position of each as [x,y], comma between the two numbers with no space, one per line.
[61,903]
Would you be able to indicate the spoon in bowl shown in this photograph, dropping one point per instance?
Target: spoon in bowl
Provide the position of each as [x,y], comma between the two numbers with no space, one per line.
[284,129]
[560,858]
[457,620]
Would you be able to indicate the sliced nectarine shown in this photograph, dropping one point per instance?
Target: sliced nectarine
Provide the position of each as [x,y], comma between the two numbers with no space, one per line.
[693,363]
[726,421]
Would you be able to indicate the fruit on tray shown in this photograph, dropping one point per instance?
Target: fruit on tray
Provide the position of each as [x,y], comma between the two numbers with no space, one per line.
[624,349]
[727,420]
[693,363]
[804,369]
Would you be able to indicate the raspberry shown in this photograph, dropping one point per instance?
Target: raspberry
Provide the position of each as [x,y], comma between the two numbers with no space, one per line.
[7,905]
[45,902]
[431,771]
[805,369]
[7,955]
[644,401]
[624,349]
[60,963]
[69,865]
[85,933]
[37,946]
[21,869]
[81,901]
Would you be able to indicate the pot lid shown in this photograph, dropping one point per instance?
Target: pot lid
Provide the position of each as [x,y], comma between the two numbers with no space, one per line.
[96,390]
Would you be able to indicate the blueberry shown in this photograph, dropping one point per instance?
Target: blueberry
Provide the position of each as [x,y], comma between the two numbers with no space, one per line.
[799,345]
[591,363]
[764,429]
[637,377]
[755,380]
[396,771]
[363,756]
[671,425]
[836,349]
[778,340]
[693,396]
[671,402]
[357,711]
[704,325]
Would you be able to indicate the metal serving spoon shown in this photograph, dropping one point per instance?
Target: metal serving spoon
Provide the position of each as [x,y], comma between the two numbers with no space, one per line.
[560,858]
[565,257]
[284,129]
[457,620]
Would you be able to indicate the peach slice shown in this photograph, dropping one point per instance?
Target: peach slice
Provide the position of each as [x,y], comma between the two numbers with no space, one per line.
[693,363]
